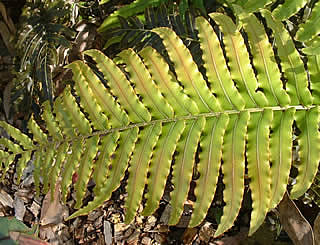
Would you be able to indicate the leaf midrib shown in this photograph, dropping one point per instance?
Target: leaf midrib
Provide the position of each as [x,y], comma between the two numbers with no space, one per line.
[123,93]
[166,84]
[209,166]
[259,164]
[97,92]
[261,51]
[280,160]
[218,74]
[189,77]
[136,173]
[145,89]
[156,180]
[289,61]
[181,181]
[308,146]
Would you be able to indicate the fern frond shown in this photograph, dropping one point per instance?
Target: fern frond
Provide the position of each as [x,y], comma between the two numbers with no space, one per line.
[160,164]
[118,166]
[258,166]
[216,69]
[37,169]
[78,119]
[309,153]
[50,153]
[144,85]
[155,112]
[187,71]
[108,145]
[210,158]
[233,169]
[64,119]
[310,28]
[92,86]
[22,163]
[167,83]
[11,146]
[85,167]
[70,167]
[250,6]
[21,138]
[268,73]
[293,67]
[37,133]
[54,171]
[136,7]
[314,70]
[182,169]
[288,8]
[312,46]
[139,167]
[120,87]
[239,63]
[52,127]
[5,160]
[280,153]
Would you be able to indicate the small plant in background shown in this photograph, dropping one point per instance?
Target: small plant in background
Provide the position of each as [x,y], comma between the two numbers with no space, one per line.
[135,33]
[44,30]
[138,7]
[130,25]
[43,38]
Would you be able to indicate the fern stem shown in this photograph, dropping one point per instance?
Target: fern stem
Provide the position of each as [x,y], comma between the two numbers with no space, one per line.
[168,120]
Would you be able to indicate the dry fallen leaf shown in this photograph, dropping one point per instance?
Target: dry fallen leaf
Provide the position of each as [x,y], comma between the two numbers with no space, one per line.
[34,209]
[5,199]
[293,222]
[233,240]
[316,230]
[189,235]
[53,212]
